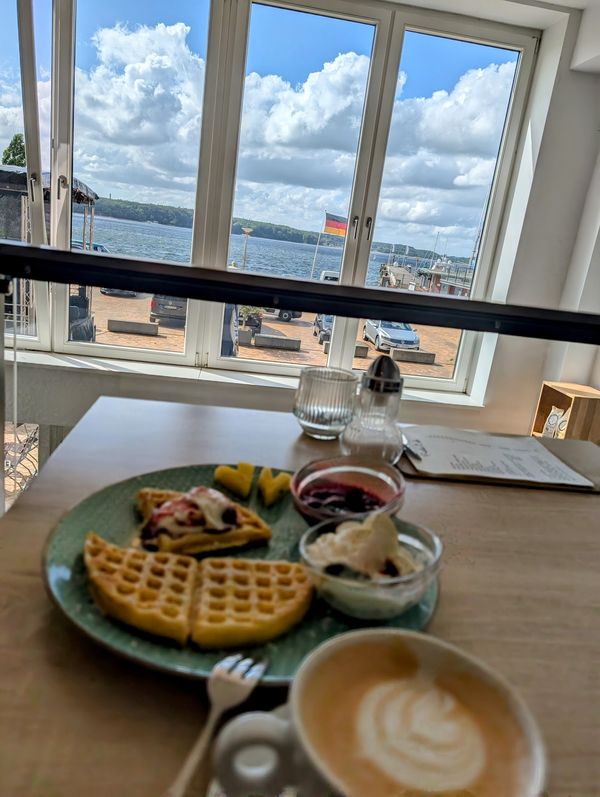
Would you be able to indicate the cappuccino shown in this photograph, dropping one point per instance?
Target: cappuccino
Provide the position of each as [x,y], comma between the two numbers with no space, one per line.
[389,719]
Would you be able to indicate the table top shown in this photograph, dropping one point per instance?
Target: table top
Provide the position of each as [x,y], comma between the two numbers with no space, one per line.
[520,588]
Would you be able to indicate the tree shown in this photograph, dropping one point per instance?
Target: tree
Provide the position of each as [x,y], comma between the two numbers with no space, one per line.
[14,154]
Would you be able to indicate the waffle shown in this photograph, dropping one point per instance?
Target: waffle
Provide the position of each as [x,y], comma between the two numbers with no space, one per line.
[148,498]
[249,530]
[247,601]
[150,591]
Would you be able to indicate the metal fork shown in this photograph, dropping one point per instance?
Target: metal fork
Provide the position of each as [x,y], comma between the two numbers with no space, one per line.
[231,681]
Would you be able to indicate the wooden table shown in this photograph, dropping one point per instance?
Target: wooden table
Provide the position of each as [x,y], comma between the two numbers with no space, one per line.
[520,589]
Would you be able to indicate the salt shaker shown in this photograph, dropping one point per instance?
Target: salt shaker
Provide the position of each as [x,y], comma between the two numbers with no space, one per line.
[373,431]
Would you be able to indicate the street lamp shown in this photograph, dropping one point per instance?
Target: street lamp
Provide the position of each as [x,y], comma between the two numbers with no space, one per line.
[246,231]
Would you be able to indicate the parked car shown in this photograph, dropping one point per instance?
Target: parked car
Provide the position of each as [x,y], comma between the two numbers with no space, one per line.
[117,292]
[322,326]
[330,276]
[390,335]
[285,315]
[170,308]
[96,247]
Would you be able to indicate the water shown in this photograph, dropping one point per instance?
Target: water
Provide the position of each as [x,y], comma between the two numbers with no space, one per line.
[263,255]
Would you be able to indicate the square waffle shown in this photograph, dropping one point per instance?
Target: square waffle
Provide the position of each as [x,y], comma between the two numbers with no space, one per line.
[150,591]
[247,527]
[247,601]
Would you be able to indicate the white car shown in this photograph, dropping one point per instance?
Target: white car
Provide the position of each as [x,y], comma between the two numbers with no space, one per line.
[388,335]
[330,276]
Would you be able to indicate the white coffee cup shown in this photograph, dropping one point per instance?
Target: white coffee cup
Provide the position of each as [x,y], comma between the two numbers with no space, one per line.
[261,752]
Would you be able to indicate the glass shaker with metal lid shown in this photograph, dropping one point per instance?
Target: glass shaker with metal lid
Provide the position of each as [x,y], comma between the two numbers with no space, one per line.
[373,430]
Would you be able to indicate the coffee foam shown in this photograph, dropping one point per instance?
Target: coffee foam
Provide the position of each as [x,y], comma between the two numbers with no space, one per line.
[419,735]
[388,721]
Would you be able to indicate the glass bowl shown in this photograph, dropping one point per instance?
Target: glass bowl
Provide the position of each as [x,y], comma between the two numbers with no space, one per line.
[354,479]
[377,600]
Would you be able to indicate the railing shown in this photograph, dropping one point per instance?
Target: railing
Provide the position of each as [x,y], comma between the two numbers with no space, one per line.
[110,271]
[27,263]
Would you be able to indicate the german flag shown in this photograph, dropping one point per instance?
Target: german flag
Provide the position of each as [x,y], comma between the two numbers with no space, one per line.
[335,225]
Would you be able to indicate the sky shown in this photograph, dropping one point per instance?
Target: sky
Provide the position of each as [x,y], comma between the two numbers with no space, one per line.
[138,97]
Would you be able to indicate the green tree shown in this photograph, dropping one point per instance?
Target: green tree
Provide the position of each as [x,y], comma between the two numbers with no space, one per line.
[14,154]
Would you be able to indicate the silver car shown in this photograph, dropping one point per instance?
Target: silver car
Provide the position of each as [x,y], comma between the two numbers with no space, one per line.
[388,335]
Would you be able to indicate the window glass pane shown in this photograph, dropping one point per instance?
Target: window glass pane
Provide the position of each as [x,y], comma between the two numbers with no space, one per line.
[306,80]
[448,120]
[138,98]
[14,205]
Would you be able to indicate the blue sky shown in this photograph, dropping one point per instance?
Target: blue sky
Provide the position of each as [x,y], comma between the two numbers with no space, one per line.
[138,104]
[277,42]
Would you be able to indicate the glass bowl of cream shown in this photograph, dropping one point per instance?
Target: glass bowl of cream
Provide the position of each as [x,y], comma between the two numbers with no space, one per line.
[372,568]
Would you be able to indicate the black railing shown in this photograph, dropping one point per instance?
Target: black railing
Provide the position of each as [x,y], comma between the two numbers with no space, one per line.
[51,265]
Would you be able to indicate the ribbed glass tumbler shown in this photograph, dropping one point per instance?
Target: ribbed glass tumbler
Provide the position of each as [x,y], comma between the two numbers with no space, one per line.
[325,400]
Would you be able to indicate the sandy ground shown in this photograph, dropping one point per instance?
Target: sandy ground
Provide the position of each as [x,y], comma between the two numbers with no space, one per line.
[444,342]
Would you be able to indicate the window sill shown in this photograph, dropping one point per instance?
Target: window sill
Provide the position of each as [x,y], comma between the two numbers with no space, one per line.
[185,373]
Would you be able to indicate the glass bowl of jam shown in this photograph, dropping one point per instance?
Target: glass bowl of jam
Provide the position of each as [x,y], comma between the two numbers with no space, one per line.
[340,486]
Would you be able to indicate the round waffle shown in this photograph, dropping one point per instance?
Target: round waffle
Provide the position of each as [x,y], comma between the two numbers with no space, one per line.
[247,601]
[150,591]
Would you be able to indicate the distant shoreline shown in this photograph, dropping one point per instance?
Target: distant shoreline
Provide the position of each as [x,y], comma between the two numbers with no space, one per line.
[171,216]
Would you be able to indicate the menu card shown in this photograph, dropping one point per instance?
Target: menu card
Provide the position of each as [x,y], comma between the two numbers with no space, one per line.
[456,452]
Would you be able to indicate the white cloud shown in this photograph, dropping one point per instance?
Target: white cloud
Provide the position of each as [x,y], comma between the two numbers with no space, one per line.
[11,111]
[137,114]
[137,128]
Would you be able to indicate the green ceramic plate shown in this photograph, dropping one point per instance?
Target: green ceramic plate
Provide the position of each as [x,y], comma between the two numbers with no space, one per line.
[111,513]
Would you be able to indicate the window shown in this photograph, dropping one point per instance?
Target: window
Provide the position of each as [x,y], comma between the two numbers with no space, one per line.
[21,182]
[429,161]
[304,93]
[139,80]
[342,142]
[450,108]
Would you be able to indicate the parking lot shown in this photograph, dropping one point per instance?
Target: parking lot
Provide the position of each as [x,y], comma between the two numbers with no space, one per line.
[444,342]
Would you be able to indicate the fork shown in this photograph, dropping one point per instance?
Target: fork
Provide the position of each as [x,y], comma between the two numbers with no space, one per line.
[231,681]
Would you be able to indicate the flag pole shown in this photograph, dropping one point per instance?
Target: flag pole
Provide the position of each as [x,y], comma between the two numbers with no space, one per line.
[312,270]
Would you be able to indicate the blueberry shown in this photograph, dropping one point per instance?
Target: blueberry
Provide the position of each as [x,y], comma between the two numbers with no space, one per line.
[389,569]
[344,571]
[229,516]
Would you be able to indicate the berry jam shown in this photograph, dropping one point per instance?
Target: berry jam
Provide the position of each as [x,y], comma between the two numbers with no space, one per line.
[334,497]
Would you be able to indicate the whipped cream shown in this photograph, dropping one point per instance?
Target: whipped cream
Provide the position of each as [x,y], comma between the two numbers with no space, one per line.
[199,509]
[369,548]
[420,736]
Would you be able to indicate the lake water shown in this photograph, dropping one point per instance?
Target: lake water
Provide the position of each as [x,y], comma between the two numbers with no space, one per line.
[263,255]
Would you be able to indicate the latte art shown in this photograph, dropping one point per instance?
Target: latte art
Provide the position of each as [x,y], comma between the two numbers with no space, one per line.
[419,735]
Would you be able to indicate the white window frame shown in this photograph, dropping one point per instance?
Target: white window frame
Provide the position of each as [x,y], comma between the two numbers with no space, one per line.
[463,29]
[63,75]
[369,170]
[221,118]
[380,16]
[35,189]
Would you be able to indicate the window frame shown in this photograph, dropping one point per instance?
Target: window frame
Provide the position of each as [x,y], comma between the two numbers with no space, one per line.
[465,29]
[63,84]
[221,119]
[367,183]
[380,15]
[35,191]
